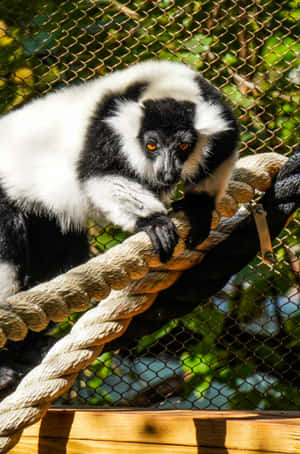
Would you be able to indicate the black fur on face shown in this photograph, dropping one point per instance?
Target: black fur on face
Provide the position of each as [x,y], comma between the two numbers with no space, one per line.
[168,136]
[168,115]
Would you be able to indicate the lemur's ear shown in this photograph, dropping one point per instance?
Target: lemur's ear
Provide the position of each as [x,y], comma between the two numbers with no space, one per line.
[208,119]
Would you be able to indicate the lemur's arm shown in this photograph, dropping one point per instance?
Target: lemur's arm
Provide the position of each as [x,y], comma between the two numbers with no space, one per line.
[130,205]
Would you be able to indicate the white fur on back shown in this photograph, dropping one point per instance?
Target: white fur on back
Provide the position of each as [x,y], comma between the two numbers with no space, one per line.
[39,149]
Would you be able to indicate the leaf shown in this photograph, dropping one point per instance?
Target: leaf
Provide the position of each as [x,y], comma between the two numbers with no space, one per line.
[199,43]
[281,50]
[230,59]
[24,76]
[238,98]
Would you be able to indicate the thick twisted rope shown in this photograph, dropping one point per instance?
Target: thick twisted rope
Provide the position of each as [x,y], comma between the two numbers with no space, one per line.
[105,322]
[223,261]
[54,300]
[59,369]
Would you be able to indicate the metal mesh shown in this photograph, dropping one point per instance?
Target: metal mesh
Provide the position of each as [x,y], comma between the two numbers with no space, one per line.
[241,348]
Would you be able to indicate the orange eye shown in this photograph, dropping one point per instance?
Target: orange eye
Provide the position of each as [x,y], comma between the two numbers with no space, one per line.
[184,146]
[151,146]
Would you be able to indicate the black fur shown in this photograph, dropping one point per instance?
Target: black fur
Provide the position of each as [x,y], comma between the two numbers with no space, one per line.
[101,152]
[168,115]
[52,251]
[13,245]
[36,246]
[222,144]
[199,209]
[168,123]
[208,92]
[199,206]
[162,232]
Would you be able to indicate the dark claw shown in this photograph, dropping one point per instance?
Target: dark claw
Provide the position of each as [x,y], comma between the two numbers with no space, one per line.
[162,232]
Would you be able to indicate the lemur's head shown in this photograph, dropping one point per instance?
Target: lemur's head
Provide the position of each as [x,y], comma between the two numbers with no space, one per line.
[164,134]
[168,136]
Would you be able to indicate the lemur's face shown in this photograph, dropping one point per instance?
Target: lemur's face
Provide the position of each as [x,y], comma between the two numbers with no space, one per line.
[168,137]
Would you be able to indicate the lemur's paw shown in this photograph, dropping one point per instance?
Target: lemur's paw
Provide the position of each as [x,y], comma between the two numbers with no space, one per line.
[162,232]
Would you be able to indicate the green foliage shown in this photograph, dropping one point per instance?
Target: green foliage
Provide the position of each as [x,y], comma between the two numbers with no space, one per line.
[154,337]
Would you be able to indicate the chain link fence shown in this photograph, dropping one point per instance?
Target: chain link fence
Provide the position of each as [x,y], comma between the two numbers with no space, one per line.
[239,350]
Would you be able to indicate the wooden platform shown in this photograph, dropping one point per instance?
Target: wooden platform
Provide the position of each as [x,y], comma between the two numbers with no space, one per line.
[162,432]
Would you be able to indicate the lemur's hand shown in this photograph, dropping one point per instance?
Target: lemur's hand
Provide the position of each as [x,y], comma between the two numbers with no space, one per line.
[162,232]
[199,208]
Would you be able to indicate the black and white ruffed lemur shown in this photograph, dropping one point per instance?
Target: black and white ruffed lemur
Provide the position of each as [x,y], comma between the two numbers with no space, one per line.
[112,149]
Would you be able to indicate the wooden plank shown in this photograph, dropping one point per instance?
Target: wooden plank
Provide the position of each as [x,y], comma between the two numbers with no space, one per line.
[183,430]
[59,446]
